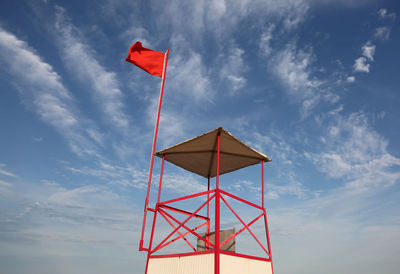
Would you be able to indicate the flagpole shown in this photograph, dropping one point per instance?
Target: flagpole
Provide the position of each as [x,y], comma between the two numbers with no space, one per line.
[153,150]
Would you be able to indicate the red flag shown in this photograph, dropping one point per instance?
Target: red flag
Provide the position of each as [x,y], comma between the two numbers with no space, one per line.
[149,60]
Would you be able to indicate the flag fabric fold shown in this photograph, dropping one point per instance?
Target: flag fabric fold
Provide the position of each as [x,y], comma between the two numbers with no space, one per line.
[149,60]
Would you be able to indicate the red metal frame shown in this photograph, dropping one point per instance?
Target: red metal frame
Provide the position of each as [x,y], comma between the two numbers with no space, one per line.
[209,252]
[153,151]
[182,235]
[217,212]
[165,214]
[182,224]
[216,194]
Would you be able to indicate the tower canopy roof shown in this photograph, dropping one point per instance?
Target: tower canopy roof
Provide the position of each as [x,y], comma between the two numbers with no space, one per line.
[199,154]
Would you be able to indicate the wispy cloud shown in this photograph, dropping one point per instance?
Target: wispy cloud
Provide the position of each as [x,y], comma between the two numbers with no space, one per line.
[361,64]
[182,183]
[358,154]
[171,124]
[382,33]
[5,187]
[368,50]
[41,88]
[187,72]
[293,188]
[222,18]
[5,172]
[384,14]
[265,40]
[233,68]
[111,174]
[292,66]
[95,209]
[82,62]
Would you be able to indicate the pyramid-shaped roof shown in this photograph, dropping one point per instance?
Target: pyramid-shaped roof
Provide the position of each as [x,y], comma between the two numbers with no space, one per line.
[199,154]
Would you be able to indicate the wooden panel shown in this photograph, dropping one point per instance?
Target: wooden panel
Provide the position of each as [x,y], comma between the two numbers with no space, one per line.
[239,265]
[196,264]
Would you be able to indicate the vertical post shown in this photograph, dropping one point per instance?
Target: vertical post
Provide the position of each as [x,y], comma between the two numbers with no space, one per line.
[208,216]
[217,214]
[265,217]
[268,240]
[153,149]
[161,175]
[155,215]
[262,189]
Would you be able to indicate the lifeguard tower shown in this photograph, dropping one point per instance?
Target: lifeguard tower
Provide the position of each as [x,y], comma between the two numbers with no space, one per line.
[209,155]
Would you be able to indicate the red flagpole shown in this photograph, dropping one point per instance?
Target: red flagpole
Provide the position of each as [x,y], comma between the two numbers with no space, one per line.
[153,150]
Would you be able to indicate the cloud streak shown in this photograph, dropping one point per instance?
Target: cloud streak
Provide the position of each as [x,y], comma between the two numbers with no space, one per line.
[5,172]
[82,62]
[358,154]
[292,66]
[41,87]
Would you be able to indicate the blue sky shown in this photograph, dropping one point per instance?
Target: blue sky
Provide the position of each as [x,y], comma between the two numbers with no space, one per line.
[312,84]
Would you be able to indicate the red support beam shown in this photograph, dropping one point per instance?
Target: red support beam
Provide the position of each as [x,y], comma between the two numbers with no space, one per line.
[146,203]
[208,200]
[262,181]
[217,212]
[240,199]
[183,211]
[208,217]
[187,197]
[268,240]
[155,215]
[185,227]
[247,226]
[183,236]
[175,239]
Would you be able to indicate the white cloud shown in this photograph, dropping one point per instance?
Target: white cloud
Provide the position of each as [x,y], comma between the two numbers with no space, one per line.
[232,69]
[84,196]
[351,79]
[382,33]
[182,184]
[274,143]
[5,187]
[368,50]
[104,218]
[360,64]
[38,139]
[41,86]
[126,176]
[296,16]
[244,186]
[187,74]
[383,13]
[136,33]
[6,172]
[292,188]
[358,154]
[171,127]
[222,17]
[265,40]
[83,62]
[381,115]
[293,68]
[171,124]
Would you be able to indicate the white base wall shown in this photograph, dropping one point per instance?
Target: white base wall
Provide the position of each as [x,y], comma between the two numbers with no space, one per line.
[204,264]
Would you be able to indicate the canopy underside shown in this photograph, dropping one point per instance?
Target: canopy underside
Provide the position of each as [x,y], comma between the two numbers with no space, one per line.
[199,154]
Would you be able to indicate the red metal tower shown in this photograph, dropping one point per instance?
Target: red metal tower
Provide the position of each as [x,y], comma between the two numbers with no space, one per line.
[209,155]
